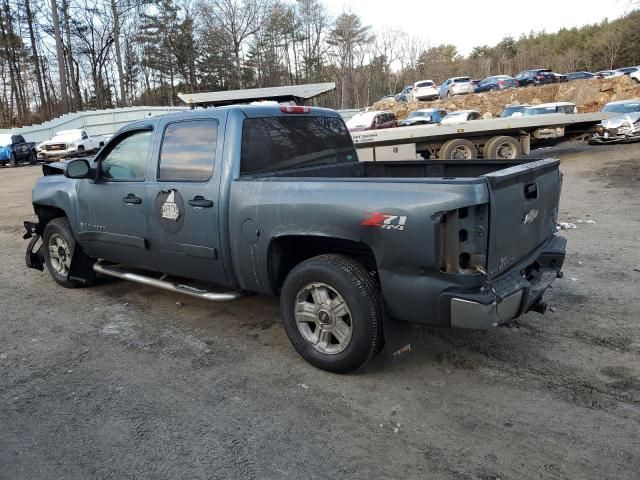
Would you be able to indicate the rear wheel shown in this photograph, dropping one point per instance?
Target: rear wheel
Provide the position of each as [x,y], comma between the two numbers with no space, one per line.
[331,311]
[33,158]
[59,246]
[458,149]
[502,148]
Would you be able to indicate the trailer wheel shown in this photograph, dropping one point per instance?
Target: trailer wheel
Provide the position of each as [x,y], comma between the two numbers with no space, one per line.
[458,149]
[503,148]
[332,313]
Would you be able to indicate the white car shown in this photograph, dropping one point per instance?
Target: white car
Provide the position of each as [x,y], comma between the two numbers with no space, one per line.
[425,90]
[461,116]
[546,108]
[68,142]
[635,76]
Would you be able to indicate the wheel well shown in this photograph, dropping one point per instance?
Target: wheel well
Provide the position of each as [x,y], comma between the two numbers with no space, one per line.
[288,251]
[46,213]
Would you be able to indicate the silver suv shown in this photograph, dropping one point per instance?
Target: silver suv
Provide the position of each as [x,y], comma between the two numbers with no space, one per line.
[456,86]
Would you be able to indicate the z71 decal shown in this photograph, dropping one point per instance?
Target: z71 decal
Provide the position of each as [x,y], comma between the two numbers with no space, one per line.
[385,220]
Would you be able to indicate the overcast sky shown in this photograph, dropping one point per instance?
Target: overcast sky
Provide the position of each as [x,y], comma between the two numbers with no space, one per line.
[467,23]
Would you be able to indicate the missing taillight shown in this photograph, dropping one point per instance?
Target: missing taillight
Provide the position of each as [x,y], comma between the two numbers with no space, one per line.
[463,242]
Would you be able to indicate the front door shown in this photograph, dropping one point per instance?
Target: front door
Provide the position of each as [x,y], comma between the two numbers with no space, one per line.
[113,210]
[184,224]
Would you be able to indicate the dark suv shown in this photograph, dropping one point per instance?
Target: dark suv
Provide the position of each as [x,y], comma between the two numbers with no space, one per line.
[538,76]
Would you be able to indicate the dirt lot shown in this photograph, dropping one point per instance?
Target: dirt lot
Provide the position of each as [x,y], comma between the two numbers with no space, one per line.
[124,381]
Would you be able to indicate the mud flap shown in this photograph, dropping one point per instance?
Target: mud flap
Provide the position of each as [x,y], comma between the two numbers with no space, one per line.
[33,259]
[397,337]
[81,269]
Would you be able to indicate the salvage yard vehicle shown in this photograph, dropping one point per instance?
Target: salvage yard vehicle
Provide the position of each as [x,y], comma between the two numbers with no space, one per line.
[274,201]
[538,76]
[456,86]
[68,142]
[496,83]
[425,90]
[460,116]
[623,128]
[372,120]
[549,108]
[424,116]
[513,110]
[15,149]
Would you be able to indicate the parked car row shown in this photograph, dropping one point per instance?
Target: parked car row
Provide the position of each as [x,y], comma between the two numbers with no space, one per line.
[425,90]
[378,119]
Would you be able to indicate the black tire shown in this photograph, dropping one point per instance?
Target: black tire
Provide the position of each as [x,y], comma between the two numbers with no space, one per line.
[33,158]
[450,147]
[12,161]
[60,227]
[497,145]
[357,288]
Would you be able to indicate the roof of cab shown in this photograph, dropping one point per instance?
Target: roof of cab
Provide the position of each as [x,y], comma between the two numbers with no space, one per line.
[249,111]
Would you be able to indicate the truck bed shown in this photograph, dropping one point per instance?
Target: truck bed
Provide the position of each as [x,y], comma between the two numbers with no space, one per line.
[436,169]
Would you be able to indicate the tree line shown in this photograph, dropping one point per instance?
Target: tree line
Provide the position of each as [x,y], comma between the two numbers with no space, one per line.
[58,56]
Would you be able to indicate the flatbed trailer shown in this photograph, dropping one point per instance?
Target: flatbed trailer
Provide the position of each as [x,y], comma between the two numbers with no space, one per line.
[498,138]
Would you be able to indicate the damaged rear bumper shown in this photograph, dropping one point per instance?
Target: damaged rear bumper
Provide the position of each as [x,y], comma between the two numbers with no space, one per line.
[516,292]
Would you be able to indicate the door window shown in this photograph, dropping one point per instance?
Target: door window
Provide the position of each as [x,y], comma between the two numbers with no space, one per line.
[84,135]
[127,159]
[188,151]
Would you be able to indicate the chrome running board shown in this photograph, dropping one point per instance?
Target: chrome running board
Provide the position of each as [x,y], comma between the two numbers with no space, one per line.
[117,272]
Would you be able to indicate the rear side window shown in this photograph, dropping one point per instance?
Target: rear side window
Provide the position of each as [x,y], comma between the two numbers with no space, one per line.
[188,151]
[283,143]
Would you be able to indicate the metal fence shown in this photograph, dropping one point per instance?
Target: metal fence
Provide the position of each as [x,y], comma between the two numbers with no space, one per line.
[102,122]
[95,122]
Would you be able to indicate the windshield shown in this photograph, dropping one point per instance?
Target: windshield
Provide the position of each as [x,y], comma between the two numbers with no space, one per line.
[283,143]
[622,107]
[361,120]
[5,139]
[508,111]
[539,111]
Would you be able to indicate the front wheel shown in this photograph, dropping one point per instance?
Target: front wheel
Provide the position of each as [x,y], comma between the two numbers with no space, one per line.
[59,245]
[332,313]
[13,162]
[33,158]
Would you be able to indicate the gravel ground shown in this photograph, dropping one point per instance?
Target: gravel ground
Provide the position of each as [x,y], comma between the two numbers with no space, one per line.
[124,381]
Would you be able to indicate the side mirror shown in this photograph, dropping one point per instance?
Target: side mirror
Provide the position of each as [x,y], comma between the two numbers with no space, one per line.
[78,168]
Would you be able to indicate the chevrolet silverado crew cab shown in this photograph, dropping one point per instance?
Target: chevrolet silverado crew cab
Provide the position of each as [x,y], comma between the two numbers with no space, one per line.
[216,203]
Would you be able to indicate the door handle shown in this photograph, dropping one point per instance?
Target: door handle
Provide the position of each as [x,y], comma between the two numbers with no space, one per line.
[132,199]
[200,201]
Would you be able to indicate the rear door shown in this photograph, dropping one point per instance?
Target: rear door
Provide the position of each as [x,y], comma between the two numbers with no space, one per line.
[184,224]
[524,211]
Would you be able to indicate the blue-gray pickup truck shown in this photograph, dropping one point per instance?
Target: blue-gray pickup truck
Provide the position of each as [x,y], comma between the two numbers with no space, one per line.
[218,203]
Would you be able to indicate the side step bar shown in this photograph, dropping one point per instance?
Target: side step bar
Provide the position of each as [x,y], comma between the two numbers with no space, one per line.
[115,271]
